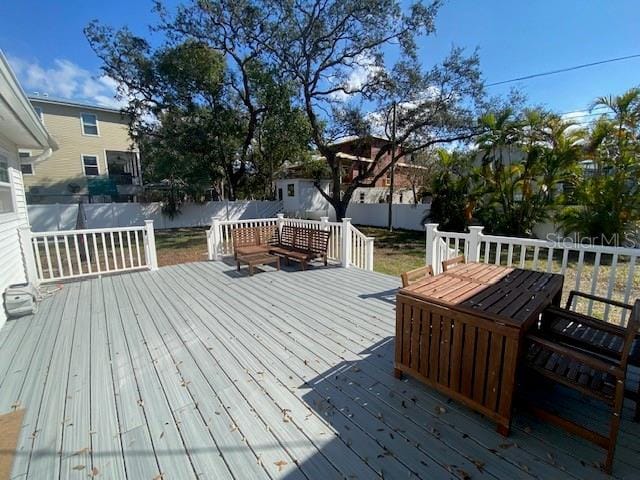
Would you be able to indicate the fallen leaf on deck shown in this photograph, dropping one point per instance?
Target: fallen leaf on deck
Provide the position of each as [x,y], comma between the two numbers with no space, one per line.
[440,410]
[94,472]
[479,465]
[280,464]
[78,467]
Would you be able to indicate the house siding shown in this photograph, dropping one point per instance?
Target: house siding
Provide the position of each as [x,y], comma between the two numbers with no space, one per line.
[64,167]
[11,264]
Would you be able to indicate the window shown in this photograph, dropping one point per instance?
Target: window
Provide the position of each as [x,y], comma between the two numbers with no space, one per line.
[25,166]
[40,114]
[89,124]
[291,191]
[6,196]
[90,164]
[361,197]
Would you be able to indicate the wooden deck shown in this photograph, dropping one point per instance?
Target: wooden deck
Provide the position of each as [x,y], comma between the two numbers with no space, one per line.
[198,371]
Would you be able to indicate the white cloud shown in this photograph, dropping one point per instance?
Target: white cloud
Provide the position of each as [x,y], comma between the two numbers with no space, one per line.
[363,69]
[66,79]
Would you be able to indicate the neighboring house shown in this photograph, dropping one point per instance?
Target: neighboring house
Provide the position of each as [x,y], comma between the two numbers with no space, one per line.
[19,128]
[95,162]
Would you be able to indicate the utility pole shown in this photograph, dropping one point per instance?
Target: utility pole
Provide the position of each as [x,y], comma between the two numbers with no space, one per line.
[393,163]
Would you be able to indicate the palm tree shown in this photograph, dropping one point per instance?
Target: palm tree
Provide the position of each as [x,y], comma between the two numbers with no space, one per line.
[608,195]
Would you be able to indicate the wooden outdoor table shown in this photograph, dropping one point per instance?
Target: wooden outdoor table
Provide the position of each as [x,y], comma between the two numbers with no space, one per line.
[461,332]
[257,259]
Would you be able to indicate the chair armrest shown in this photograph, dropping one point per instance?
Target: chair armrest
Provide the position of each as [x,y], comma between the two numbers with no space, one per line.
[584,319]
[595,298]
[596,363]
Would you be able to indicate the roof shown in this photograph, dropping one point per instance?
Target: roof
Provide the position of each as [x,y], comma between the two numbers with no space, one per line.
[353,138]
[19,122]
[72,103]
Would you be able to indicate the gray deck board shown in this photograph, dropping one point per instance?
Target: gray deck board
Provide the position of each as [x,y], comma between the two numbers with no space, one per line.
[196,371]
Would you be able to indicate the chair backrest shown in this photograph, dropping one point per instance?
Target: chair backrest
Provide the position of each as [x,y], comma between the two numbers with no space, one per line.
[306,239]
[267,234]
[287,236]
[632,331]
[413,276]
[446,264]
[245,237]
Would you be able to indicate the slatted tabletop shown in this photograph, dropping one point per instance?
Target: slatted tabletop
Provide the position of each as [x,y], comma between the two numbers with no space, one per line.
[509,296]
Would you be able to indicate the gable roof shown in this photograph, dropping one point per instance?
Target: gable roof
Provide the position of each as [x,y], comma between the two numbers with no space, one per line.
[72,103]
[19,122]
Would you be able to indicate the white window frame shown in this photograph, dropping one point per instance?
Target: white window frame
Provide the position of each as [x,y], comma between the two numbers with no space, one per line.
[33,166]
[84,172]
[82,125]
[10,186]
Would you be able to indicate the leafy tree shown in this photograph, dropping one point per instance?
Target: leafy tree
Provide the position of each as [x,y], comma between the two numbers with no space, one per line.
[333,51]
[524,160]
[452,204]
[217,96]
[606,198]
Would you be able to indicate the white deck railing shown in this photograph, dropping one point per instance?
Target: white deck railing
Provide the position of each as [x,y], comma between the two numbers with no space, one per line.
[599,270]
[347,245]
[67,254]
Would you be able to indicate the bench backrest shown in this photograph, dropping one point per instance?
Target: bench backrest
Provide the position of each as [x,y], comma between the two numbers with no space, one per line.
[305,239]
[253,236]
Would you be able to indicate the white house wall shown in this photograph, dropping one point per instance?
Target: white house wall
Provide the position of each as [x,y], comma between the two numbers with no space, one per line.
[11,266]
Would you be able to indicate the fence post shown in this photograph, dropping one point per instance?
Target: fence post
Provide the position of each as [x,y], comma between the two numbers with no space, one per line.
[369,254]
[431,229]
[474,244]
[280,223]
[324,223]
[150,245]
[213,239]
[346,242]
[28,256]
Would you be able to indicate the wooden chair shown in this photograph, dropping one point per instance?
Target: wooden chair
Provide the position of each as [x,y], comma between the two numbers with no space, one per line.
[592,334]
[446,264]
[413,276]
[599,377]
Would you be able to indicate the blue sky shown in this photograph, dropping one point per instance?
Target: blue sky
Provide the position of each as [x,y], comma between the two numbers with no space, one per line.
[45,43]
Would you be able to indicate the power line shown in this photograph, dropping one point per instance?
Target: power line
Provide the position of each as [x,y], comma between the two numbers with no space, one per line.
[562,70]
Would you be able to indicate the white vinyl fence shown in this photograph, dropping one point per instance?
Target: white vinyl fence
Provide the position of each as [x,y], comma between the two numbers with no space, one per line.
[67,254]
[347,245]
[605,271]
[405,216]
[46,218]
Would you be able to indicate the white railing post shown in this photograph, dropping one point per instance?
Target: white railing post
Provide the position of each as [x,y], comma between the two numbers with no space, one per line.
[280,223]
[213,243]
[150,245]
[28,257]
[431,256]
[346,242]
[475,234]
[369,254]
[324,223]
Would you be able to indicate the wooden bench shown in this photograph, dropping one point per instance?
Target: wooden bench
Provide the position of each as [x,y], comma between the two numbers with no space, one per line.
[253,240]
[301,244]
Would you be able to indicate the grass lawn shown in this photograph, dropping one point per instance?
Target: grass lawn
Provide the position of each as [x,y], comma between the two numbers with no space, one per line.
[181,245]
[396,252]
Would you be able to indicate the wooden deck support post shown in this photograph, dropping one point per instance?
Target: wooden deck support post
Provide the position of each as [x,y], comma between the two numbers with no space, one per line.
[280,223]
[213,239]
[474,244]
[431,256]
[346,242]
[28,256]
[369,254]
[150,245]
